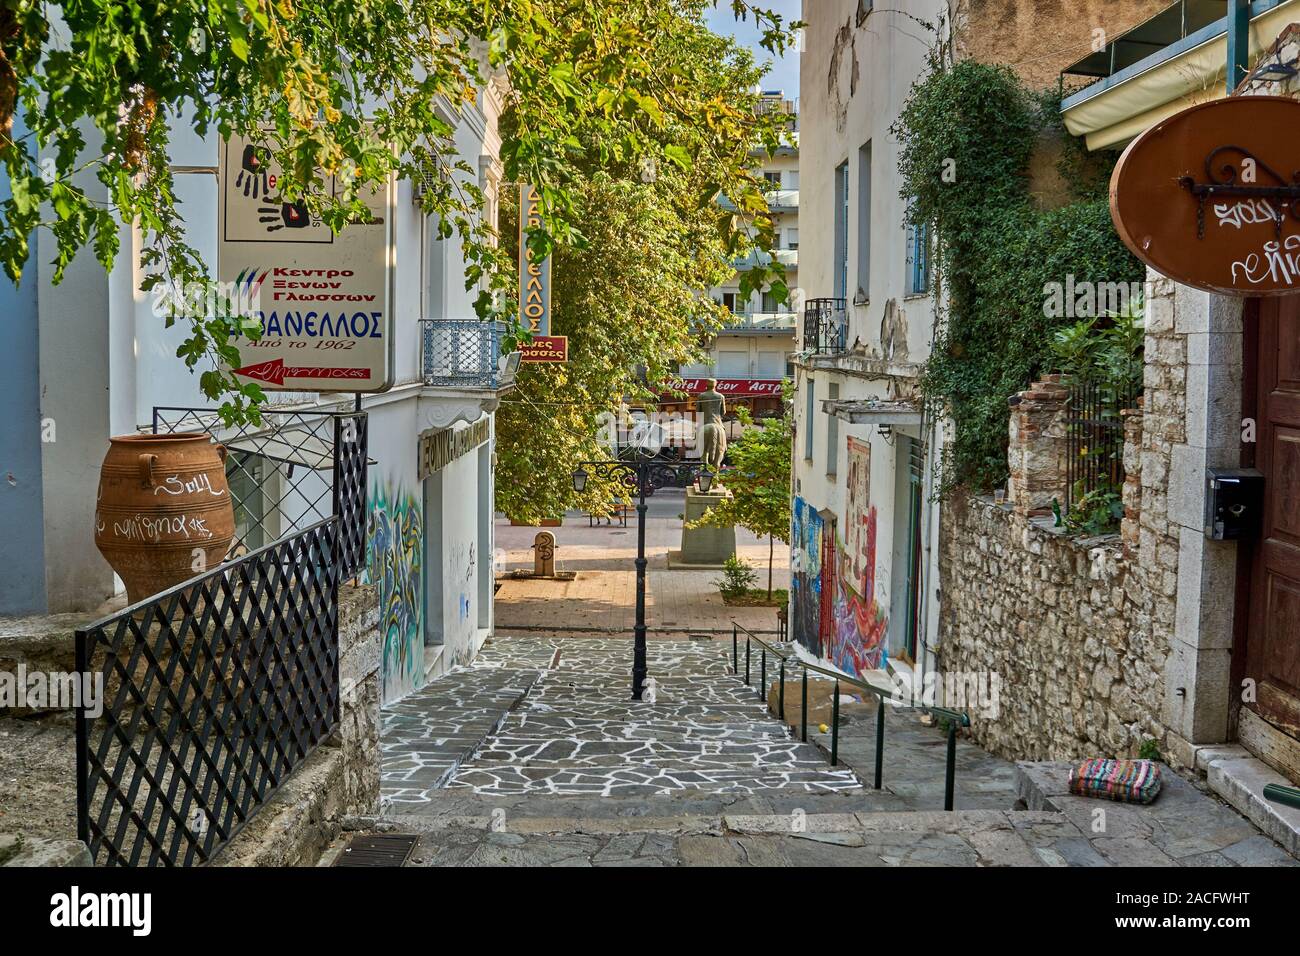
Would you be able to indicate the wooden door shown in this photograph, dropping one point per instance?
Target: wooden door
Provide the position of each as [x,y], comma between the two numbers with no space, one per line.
[1273,639]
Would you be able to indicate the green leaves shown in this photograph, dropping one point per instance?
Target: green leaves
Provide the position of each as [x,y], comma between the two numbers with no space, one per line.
[346,93]
[966,137]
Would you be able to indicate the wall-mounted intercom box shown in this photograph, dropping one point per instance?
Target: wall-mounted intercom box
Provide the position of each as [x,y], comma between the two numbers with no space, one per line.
[1234,503]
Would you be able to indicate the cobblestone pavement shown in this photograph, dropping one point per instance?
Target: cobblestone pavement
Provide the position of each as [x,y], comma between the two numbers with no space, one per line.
[534,756]
[577,731]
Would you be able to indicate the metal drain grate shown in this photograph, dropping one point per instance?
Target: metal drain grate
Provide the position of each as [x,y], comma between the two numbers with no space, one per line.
[382,849]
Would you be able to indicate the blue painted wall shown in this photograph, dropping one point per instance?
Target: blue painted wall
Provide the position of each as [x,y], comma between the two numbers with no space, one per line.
[22,549]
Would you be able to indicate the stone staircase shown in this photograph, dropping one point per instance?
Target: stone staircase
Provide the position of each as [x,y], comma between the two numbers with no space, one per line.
[553,717]
[535,756]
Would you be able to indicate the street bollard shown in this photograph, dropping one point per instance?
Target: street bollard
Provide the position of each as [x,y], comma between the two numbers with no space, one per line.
[780,697]
[804,715]
[880,742]
[835,727]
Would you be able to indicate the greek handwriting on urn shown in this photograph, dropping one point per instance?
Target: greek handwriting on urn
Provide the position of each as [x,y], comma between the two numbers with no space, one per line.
[163,513]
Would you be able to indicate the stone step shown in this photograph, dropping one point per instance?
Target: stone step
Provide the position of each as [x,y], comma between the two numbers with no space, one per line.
[463,803]
[974,838]
[528,728]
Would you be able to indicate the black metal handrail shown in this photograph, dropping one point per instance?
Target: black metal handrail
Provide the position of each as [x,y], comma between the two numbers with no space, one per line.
[213,692]
[955,718]
[1287,796]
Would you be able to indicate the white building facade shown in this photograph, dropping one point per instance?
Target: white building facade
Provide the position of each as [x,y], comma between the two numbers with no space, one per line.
[754,354]
[90,358]
[865,528]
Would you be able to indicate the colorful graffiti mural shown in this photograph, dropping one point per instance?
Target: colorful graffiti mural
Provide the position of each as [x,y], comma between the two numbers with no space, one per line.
[857,642]
[833,607]
[805,575]
[395,566]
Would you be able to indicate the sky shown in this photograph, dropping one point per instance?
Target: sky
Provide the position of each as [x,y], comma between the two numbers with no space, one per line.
[784,74]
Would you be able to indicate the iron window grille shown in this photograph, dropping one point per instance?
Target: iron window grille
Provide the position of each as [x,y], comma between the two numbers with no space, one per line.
[825,326]
[1094,436]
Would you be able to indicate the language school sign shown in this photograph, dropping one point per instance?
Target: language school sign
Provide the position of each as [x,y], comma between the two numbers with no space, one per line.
[535,289]
[322,299]
[1209,196]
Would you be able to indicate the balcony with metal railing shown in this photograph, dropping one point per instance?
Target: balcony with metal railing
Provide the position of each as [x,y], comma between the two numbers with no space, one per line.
[778,200]
[742,322]
[789,258]
[465,353]
[825,326]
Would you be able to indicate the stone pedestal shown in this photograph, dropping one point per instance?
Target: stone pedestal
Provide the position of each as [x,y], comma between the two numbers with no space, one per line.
[707,545]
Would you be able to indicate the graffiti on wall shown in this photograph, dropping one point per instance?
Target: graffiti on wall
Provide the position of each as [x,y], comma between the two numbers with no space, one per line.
[833,605]
[394,565]
[805,575]
[857,642]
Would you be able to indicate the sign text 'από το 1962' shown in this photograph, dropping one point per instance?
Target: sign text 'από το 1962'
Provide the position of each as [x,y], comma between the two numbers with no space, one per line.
[1209,197]
[321,299]
[440,447]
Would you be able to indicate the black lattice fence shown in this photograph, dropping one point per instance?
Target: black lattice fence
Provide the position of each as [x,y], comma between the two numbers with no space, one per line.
[1094,436]
[213,693]
[292,469]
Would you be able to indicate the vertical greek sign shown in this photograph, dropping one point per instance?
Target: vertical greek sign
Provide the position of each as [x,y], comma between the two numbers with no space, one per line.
[534,275]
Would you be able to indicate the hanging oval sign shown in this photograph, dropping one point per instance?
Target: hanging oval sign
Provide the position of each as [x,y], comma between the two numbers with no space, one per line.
[1211,196]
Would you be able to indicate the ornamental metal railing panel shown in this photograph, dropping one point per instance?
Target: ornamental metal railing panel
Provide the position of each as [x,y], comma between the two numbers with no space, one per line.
[461,353]
[213,692]
[825,326]
[288,471]
[1094,438]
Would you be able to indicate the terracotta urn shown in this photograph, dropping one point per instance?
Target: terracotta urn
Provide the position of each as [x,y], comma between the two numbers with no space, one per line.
[163,513]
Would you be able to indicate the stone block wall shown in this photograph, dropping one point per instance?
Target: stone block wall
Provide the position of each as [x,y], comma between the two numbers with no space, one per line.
[1063,624]
[359,695]
[1037,447]
[1100,644]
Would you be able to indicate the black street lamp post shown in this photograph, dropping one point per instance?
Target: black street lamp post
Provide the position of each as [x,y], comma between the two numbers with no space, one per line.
[643,473]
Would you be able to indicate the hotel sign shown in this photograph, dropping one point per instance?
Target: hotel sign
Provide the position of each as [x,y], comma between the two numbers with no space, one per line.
[730,387]
[439,447]
[1209,197]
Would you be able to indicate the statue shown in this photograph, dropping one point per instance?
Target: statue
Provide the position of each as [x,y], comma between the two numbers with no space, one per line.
[713,434]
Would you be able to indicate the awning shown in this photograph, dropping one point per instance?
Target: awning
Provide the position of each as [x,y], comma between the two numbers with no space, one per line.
[1183,74]
[871,411]
[729,387]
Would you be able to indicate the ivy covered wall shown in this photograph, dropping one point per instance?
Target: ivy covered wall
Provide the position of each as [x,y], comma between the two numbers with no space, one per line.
[968,137]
